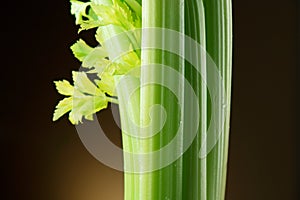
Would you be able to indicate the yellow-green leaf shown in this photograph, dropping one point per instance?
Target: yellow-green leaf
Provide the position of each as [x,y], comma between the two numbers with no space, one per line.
[64,87]
[80,49]
[63,107]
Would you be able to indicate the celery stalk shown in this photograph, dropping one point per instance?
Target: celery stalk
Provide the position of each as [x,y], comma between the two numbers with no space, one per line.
[164,183]
[208,22]
[189,177]
[219,46]
[194,169]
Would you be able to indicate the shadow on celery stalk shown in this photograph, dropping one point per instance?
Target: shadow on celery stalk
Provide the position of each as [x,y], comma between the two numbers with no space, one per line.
[208,23]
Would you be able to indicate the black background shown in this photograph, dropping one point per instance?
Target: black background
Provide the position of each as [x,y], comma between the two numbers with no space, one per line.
[46,160]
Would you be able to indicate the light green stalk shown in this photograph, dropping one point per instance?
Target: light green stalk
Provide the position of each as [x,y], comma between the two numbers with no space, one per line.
[165,183]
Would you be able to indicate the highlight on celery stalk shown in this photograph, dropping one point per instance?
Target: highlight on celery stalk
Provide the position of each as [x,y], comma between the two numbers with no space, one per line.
[167,65]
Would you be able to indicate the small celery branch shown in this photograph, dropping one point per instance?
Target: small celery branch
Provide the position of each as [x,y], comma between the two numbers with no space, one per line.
[113,57]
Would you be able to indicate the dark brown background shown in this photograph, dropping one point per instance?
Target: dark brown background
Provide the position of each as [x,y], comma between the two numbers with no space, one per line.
[45,160]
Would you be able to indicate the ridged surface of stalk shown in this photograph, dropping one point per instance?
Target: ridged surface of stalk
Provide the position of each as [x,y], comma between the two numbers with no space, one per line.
[189,177]
[165,183]
[194,169]
[219,47]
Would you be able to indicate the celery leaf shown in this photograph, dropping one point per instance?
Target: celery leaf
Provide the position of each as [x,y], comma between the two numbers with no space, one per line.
[63,107]
[84,99]
[95,57]
[83,84]
[78,9]
[64,87]
[80,49]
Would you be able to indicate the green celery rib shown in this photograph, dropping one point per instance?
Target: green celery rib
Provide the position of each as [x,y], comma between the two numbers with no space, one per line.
[194,169]
[219,47]
[131,186]
[228,81]
[165,183]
